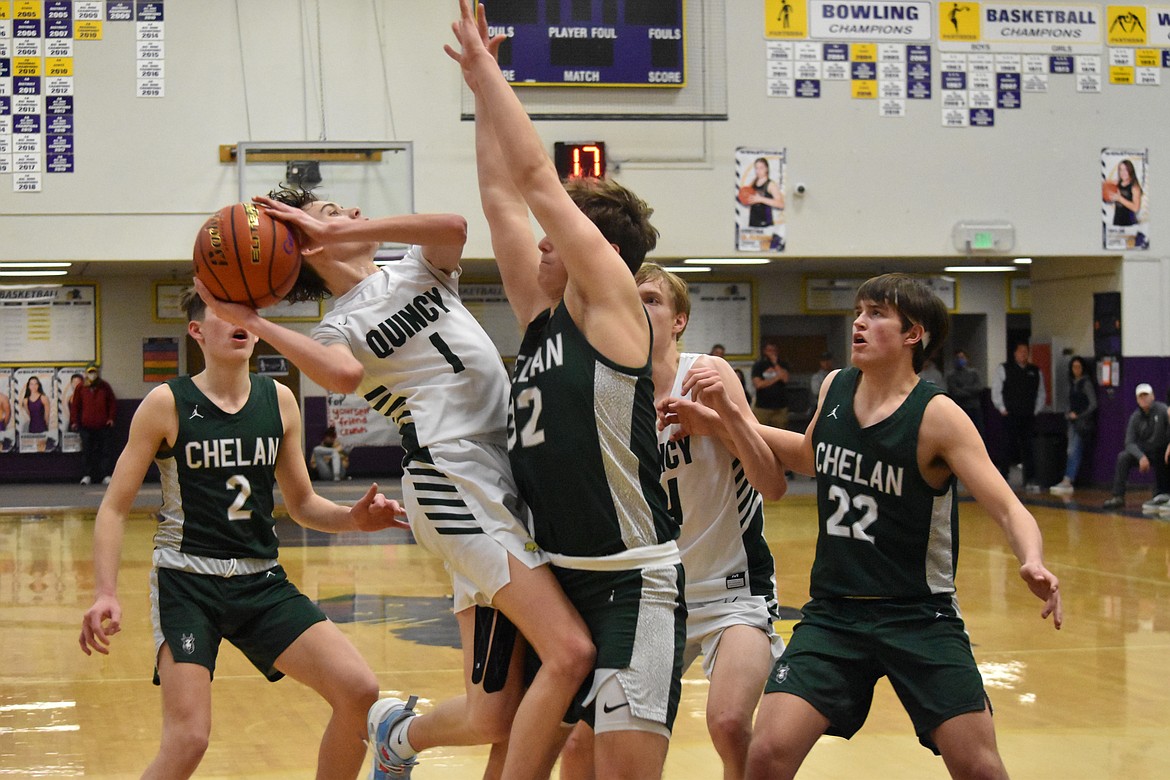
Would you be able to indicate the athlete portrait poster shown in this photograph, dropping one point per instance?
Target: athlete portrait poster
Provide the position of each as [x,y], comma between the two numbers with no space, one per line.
[7,407]
[68,380]
[1125,199]
[34,401]
[759,200]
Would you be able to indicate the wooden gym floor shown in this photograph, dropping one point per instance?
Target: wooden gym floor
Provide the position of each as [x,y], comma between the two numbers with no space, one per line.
[1090,701]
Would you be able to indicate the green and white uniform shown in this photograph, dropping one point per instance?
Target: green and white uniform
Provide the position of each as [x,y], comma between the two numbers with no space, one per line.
[882,583]
[885,532]
[731,576]
[215,569]
[583,445]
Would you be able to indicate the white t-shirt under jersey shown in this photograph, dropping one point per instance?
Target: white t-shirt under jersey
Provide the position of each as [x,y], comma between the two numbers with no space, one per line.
[426,358]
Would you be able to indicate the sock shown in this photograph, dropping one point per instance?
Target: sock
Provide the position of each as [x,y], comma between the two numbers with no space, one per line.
[398,740]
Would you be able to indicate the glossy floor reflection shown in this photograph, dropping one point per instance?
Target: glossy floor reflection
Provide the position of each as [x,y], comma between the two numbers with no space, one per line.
[1088,702]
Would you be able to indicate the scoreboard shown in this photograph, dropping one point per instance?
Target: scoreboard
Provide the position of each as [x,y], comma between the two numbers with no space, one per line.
[590,43]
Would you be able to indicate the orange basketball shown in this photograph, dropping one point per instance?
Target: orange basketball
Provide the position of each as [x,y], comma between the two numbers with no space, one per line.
[745,194]
[245,256]
[1108,190]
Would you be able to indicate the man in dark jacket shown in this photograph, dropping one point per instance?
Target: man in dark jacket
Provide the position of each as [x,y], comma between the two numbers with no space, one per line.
[1147,445]
[91,412]
[1018,393]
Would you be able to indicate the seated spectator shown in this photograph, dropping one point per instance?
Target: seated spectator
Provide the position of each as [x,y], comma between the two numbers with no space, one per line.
[1147,446]
[330,460]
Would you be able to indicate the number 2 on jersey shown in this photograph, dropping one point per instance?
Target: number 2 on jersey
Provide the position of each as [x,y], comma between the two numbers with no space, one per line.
[243,488]
[835,525]
[532,434]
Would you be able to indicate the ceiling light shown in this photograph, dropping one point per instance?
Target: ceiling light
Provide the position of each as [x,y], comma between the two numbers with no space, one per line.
[977,269]
[727,261]
[31,264]
[687,269]
[33,272]
[1023,261]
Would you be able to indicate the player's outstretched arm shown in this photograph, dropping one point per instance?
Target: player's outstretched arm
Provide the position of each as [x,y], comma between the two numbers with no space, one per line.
[372,512]
[949,443]
[609,312]
[442,234]
[332,366]
[154,424]
[713,382]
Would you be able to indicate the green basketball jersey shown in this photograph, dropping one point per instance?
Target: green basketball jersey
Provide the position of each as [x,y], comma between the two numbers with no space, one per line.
[583,444]
[884,531]
[217,480]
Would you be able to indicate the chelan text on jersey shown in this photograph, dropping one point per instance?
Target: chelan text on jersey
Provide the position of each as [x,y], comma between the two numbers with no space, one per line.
[231,453]
[845,464]
[551,355]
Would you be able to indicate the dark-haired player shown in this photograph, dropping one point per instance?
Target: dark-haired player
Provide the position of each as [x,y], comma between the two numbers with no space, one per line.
[886,450]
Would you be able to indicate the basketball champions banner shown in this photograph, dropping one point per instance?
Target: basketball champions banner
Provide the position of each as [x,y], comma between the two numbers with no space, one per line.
[1125,198]
[759,200]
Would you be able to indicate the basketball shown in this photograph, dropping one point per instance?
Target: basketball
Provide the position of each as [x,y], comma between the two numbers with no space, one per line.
[1108,190]
[245,256]
[745,194]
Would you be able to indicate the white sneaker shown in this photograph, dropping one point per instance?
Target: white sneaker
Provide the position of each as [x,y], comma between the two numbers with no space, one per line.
[85,480]
[105,480]
[383,716]
[1061,490]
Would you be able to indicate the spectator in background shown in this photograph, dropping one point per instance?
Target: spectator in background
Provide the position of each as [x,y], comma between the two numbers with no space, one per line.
[330,460]
[1018,394]
[1147,446]
[718,350]
[1082,422]
[965,387]
[5,419]
[92,410]
[931,373]
[814,383]
[770,379]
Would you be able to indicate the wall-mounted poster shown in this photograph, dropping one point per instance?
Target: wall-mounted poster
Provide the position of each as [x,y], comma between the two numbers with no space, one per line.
[68,379]
[759,200]
[35,405]
[1125,208]
[7,423]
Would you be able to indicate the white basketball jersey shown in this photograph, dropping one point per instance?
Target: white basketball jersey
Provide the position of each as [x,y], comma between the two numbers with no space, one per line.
[722,544]
[429,365]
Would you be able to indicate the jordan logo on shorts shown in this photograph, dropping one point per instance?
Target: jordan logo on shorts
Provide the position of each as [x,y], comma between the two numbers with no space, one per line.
[188,641]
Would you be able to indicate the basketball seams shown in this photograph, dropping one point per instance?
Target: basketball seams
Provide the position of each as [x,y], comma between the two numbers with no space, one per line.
[203,252]
[236,211]
[240,278]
